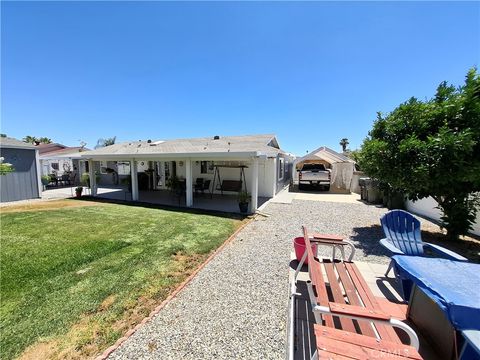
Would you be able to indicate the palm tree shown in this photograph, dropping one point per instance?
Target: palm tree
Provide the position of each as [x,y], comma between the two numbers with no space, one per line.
[30,139]
[344,143]
[105,142]
[45,140]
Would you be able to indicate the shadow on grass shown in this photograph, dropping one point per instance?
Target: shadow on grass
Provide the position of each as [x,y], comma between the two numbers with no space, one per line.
[172,208]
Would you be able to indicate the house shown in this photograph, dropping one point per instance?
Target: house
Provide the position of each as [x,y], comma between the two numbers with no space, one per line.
[228,164]
[24,182]
[59,159]
[342,167]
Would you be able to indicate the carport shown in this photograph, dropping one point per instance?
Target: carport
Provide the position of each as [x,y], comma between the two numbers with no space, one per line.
[341,166]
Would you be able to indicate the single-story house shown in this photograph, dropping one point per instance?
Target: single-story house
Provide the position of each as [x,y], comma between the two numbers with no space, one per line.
[59,159]
[221,166]
[341,166]
[24,182]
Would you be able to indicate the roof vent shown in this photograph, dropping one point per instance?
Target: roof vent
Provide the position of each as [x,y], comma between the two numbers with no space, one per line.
[216,137]
[149,141]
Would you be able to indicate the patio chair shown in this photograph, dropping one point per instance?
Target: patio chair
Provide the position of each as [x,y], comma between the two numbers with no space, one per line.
[205,185]
[403,237]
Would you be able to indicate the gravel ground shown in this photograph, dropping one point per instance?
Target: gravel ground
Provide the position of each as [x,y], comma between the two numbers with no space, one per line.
[236,307]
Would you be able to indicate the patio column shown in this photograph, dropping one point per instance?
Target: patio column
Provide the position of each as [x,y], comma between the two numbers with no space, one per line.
[189,182]
[134,179]
[254,185]
[91,175]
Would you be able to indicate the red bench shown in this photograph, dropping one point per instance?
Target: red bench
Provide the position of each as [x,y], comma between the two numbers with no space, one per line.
[350,321]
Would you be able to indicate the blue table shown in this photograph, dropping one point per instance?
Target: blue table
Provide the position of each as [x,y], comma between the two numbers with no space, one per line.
[453,285]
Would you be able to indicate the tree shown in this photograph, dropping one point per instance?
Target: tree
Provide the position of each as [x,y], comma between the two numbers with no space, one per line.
[344,143]
[105,142]
[30,139]
[5,168]
[432,148]
[37,140]
[45,140]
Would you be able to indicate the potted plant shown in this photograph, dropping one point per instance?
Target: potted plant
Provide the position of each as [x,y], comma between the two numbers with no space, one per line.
[243,200]
[127,181]
[45,180]
[78,191]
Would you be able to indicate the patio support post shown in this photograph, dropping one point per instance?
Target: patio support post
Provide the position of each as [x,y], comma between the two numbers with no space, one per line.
[254,185]
[134,179]
[189,182]
[91,175]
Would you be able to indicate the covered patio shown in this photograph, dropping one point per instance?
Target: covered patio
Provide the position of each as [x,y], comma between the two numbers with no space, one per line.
[216,202]
[203,173]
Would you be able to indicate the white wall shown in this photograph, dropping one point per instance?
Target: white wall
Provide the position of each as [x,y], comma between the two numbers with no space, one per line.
[427,207]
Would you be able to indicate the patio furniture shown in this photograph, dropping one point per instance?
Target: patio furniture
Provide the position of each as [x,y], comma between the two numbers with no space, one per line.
[335,242]
[443,297]
[229,185]
[403,237]
[350,320]
[202,186]
[471,345]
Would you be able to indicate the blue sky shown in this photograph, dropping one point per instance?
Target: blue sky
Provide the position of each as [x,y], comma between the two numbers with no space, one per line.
[310,72]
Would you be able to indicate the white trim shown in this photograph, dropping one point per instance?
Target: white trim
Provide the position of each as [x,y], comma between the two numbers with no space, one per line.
[39,174]
[254,185]
[188,183]
[134,179]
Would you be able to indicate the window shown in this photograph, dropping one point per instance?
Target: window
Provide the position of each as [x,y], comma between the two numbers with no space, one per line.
[123,168]
[281,168]
[103,167]
[54,166]
[206,167]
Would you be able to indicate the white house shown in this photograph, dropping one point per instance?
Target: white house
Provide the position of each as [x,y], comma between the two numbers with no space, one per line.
[59,159]
[225,165]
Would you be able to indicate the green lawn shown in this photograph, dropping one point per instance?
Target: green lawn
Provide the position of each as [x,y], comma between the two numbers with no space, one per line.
[73,280]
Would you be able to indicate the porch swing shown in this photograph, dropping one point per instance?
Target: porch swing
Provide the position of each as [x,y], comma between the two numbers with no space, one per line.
[229,185]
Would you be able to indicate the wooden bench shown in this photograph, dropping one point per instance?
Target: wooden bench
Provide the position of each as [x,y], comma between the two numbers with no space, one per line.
[231,185]
[350,321]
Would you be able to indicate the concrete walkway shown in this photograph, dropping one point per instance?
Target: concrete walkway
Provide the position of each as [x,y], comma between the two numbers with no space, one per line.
[286,197]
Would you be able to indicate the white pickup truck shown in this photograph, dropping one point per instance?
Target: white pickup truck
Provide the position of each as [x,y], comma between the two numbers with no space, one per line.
[314,174]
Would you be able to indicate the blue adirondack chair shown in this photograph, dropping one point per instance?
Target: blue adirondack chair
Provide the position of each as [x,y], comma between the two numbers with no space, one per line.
[403,237]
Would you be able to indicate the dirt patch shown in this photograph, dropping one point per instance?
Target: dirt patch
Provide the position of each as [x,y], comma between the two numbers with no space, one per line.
[41,350]
[48,205]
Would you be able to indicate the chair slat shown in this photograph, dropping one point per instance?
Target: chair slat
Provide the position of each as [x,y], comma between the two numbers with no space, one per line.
[347,324]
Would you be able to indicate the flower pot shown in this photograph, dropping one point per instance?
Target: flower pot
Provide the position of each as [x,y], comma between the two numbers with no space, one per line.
[243,207]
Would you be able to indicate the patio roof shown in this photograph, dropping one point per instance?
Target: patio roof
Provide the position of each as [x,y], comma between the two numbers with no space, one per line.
[224,146]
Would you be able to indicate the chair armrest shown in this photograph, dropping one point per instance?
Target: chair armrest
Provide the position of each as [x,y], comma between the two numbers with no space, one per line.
[392,248]
[317,236]
[359,313]
[445,252]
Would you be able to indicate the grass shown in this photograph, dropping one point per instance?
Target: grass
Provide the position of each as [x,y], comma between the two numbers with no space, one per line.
[74,279]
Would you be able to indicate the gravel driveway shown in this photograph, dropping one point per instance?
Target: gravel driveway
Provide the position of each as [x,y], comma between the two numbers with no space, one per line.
[236,306]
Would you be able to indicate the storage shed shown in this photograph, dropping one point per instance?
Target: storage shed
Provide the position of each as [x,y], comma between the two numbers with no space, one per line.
[24,182]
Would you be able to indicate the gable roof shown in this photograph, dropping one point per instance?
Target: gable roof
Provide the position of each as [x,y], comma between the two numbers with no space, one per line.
[245,145]
[326,154]
[67,152]
[8,142]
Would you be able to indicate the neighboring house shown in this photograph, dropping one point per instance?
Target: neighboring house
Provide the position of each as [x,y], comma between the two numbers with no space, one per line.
[342,167]
[257,161]
[23,183]
[59,159]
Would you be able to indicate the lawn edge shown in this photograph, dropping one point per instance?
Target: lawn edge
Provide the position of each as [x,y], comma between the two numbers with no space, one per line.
[172,295]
